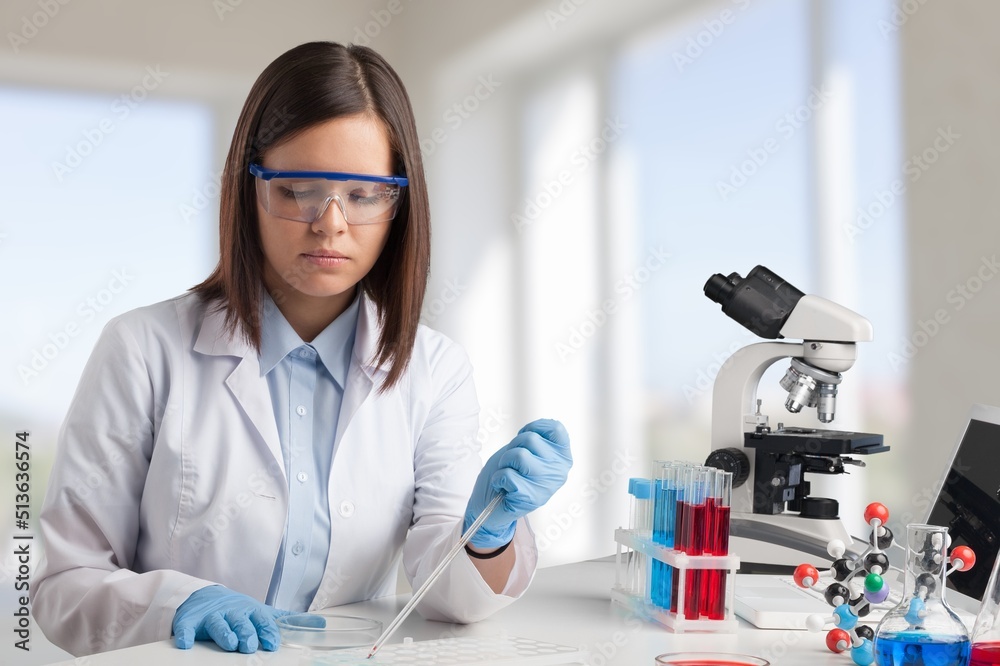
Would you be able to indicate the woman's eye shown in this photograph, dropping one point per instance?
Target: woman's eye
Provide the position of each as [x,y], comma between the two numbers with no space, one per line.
[372,198]
[294,194]
[361,200]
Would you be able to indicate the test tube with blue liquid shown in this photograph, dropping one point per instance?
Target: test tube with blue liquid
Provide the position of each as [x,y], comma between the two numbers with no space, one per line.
[664,493]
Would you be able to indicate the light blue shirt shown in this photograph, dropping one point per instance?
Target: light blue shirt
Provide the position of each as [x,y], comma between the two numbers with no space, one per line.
[306,381]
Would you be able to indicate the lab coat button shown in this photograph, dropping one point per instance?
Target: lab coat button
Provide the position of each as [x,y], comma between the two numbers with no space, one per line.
[346,509]
[302,477]
[297,548]
[300,410]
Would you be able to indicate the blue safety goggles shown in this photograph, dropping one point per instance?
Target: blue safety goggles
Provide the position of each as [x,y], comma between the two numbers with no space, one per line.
[304,196]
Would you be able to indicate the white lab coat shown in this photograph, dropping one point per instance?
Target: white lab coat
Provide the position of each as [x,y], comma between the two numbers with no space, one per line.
[169,477]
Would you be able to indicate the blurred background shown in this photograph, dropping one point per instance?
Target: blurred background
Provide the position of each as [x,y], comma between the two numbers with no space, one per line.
[591,163]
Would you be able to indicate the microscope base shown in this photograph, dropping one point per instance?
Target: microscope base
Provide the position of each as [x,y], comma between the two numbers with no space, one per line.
[789,531]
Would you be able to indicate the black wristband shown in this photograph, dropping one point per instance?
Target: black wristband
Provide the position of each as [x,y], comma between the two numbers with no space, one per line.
[487,556]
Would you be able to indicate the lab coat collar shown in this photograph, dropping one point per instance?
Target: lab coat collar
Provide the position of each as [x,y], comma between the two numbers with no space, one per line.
[214,341]
[334,344]
[253,394]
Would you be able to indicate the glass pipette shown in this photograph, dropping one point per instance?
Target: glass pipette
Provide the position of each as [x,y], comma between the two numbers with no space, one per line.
[436,573]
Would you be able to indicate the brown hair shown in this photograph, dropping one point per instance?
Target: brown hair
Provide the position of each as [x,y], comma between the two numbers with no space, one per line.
[309,84]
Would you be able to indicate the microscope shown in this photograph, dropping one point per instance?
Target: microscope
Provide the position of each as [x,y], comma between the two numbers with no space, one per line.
[771,501]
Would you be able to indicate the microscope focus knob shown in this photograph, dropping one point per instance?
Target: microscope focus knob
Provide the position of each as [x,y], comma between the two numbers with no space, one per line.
[732,460]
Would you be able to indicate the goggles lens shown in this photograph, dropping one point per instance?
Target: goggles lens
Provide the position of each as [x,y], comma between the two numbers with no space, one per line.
[305,199]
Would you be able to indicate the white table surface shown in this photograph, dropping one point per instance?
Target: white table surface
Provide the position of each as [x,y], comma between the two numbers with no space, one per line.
[568,604]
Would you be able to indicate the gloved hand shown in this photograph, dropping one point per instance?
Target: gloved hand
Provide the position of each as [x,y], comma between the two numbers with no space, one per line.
[231,619]
[531,468]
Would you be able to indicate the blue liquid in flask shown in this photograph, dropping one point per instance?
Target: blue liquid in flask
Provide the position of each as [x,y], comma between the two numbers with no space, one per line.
[917,648]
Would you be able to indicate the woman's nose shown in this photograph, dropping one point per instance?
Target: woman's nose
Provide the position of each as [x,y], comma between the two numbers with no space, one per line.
[334,217]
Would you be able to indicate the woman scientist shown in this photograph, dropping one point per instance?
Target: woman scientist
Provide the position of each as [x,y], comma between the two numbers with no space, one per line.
[280,435]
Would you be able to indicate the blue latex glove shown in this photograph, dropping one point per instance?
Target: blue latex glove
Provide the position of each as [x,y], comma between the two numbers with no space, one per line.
[231,619]
[531,468]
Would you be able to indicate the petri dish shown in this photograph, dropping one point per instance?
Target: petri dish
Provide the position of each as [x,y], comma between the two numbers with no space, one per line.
[709,659]
[328,632]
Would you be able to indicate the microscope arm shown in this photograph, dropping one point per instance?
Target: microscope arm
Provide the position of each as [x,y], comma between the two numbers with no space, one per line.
[734,396]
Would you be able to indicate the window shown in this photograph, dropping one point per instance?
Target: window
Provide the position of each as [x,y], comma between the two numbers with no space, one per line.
[744,134]
[114,207]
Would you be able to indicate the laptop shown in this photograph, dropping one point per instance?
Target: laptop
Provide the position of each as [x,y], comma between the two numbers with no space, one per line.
[967,502]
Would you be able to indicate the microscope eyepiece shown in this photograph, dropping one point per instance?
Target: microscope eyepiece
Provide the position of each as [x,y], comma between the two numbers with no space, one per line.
[761,302]
[719,287]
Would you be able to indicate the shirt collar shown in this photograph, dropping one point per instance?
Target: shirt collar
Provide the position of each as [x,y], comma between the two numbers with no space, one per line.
[333,345]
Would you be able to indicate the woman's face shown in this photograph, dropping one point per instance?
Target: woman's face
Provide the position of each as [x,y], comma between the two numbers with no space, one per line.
[292,249]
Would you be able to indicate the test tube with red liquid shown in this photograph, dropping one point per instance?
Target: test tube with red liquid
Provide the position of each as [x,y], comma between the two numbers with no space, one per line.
[695,533]
[682,478]
[718,502]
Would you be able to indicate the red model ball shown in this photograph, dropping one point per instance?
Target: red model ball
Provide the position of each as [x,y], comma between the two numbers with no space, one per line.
[838,640]
[966,555]
[805,575]
[876,510]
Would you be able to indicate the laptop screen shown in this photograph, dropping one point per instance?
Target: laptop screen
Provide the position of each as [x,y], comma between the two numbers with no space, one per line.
[969,503]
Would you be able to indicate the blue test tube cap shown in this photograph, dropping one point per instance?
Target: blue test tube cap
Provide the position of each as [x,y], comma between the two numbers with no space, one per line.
[631,485]
[643,489]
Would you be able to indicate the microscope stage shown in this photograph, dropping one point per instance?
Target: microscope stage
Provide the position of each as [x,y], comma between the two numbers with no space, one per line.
[815,442]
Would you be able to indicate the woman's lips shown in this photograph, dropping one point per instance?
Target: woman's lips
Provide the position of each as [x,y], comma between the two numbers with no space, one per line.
[325,258]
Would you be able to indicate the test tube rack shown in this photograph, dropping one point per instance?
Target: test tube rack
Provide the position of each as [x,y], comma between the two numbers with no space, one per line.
[681,562]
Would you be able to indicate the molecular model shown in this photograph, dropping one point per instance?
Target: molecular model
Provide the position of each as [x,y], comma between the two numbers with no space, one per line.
[849,605]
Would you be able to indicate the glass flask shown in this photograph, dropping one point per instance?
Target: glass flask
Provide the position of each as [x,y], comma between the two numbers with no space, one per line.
[923,630]
[986,631]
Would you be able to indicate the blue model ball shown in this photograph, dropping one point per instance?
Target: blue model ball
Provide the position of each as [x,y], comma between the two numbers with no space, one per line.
[913,614]
[845,617]
[864,654]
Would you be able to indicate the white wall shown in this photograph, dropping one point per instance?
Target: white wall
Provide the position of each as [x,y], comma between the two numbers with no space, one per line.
[950,62]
